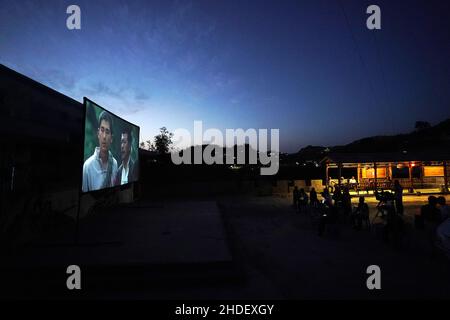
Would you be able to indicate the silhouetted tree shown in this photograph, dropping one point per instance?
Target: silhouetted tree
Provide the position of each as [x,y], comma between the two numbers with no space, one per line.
[163,140]
[150,145]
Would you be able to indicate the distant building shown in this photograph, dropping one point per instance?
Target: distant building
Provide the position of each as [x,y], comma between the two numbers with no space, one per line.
[414,170]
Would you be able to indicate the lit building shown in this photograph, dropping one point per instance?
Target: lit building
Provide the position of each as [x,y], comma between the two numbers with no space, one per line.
[414,170]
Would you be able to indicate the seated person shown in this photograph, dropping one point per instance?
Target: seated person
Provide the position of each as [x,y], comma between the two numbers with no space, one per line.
[443,236]
[443,208]
[394,226]
[360,213]
[352,180]
[430,213]
[430,217]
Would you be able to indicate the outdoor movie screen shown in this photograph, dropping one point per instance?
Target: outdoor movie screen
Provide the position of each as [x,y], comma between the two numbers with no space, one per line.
[110,155]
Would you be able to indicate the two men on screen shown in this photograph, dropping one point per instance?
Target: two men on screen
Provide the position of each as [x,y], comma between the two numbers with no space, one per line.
[100,169]
[126,171]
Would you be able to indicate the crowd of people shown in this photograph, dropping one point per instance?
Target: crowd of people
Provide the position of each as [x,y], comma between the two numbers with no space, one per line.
[333,208]
[434,219]
[336,207]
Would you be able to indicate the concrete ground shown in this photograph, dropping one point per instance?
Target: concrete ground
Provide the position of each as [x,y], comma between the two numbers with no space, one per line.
[125,249]
[284,256]
[281,257]
[276,254]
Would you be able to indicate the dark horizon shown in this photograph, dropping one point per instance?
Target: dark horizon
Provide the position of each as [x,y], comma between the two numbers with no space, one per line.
[311,69]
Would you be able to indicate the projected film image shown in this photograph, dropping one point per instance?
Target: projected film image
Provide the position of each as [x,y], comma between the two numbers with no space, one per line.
[110,150]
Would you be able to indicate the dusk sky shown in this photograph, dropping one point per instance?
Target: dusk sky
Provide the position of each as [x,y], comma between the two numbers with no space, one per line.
[299,66]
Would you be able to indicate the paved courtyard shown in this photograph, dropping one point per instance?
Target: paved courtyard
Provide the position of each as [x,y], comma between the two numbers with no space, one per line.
[281,257]
[274,253]
[283,251]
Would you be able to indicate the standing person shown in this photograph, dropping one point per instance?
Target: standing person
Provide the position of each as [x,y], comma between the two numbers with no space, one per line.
[337,197]
[346,201]
[99,170]
[126,171]
[327,200]
[398,195]
[313,198]
[295,197]
[302,200]
[394,227]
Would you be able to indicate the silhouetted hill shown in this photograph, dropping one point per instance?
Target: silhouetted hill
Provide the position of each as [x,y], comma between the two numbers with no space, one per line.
[434,137]
[431,138]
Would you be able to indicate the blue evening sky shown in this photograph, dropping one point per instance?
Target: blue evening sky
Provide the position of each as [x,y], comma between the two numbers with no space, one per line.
[298,66]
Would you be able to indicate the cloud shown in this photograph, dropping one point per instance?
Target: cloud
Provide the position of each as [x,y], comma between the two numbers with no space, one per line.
[102,89]
[141,96]
[126,100]
[54,78]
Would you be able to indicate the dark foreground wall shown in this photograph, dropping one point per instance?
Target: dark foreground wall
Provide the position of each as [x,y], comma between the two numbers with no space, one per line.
[40,139]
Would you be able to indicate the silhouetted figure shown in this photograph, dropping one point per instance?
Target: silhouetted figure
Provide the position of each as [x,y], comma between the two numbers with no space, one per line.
[443,229]
[313,200]
[443,236]
[295,197]
[302,200]
[327,212]
[346,202]
[393,229]
[443,208]
[398,192]
[337,196]
[429,212]
[386,203]
[431,217]
[327,199]
[361,214]
[329,215]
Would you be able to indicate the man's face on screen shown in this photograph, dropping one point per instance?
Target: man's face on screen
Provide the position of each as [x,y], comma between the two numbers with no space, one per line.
[104,136]
[125,146]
